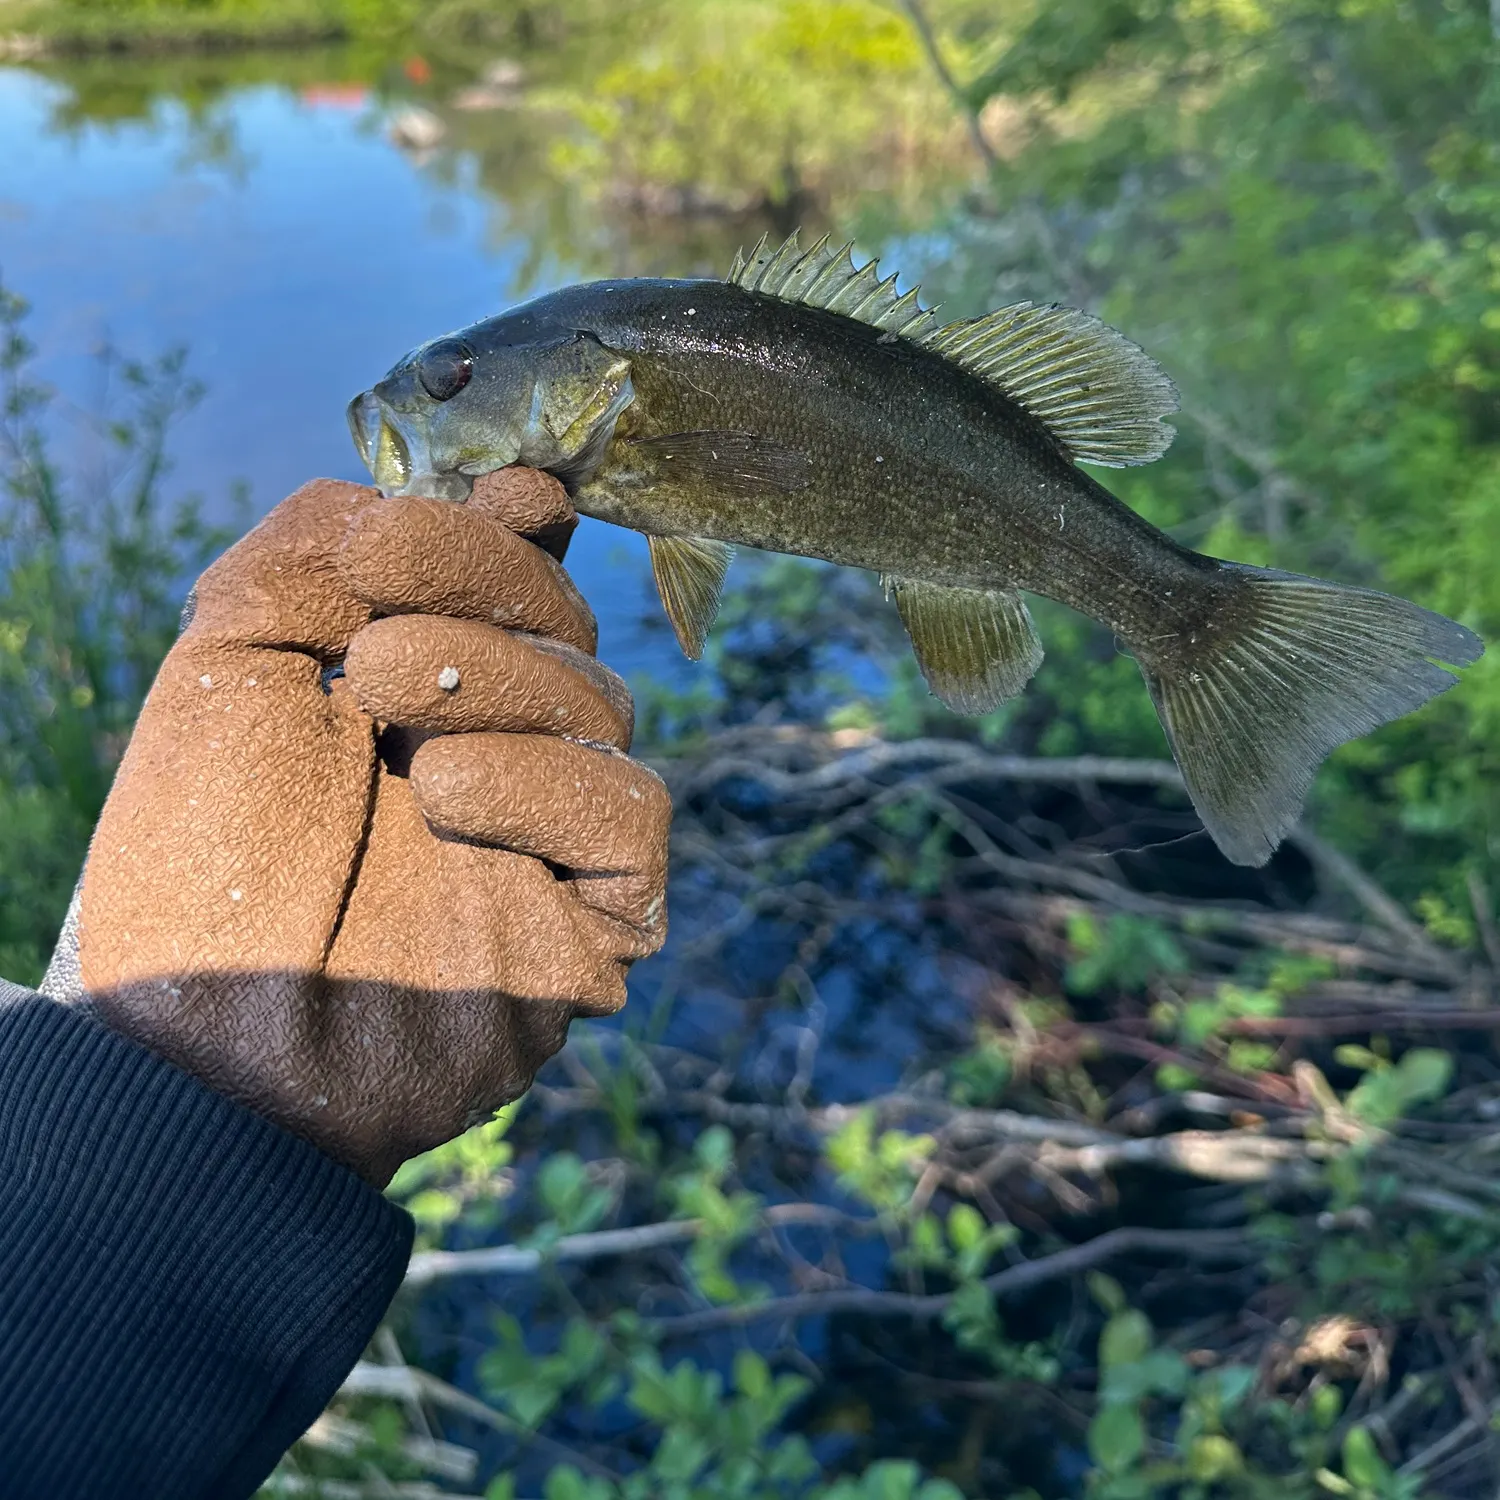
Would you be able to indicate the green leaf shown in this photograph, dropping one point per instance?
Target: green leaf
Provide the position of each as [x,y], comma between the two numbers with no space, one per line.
[714,1150]
[530,1403]
[1125,1339]
[1214,1457]
[1116,1438]
[680,1454]
[1363,1465]
[1326,1406]
[1425,1073]
[1106,1291]
[751,1377]
[966,1226]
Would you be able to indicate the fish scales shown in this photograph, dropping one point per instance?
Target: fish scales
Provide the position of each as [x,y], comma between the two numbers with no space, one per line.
[917,465]
[805,406]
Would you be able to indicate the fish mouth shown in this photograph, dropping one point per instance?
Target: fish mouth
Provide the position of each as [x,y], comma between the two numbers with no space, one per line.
[398,464]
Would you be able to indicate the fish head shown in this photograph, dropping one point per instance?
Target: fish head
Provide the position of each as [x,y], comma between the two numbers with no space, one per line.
[478,400]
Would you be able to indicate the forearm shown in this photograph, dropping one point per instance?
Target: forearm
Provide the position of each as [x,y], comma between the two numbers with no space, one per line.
[182,1284]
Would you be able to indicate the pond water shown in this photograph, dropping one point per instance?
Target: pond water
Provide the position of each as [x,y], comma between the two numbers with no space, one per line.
[277,233]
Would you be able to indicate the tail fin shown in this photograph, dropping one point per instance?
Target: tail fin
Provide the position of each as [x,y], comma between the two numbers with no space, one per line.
[1305,666]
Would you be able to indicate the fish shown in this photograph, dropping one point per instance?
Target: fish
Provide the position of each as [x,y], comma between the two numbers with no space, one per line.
[804,405]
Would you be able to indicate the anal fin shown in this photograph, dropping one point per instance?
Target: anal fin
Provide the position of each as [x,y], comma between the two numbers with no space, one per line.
[976,647]
[689,573]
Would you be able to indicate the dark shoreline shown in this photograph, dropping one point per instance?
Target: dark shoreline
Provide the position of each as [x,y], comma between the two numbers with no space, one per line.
[32,46]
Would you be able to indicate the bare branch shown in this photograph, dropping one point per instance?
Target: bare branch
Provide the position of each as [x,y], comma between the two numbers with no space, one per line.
[1374,900]
[1198,1244]
[342,1489]
[1484,919]
[516,1260]
[1424,1458]
[407,1383]
[923,28]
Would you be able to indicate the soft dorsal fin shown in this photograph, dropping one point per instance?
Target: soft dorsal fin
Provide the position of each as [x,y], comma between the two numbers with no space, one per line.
[1101,396]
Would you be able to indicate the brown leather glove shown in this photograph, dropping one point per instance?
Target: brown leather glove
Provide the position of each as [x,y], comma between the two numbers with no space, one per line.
[368,909]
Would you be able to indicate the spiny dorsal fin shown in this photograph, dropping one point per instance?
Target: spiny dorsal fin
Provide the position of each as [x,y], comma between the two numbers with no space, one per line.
[976,647]
[1100,395]
[690,578]
[828,278]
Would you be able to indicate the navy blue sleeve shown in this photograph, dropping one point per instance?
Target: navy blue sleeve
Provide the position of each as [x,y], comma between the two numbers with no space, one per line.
[183,1285]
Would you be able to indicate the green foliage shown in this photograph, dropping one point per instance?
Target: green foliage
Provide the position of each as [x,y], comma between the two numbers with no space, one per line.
[148,24]
[713,1443]
[1366,1475]
[980,1075]
[91,582]
[1217,1429]
[797,96]
[464,1178]
[726,1217]
[878,1168]
[1389,1090]
[1295,209]
[1127,953]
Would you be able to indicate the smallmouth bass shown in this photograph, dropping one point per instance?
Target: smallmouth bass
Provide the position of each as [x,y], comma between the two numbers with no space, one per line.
[804,406]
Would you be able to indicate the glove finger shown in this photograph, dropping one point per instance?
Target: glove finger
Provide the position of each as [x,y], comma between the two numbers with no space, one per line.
[436,913]
[280,584]
[604,818]
[410,556]
[530,502]
[459,676]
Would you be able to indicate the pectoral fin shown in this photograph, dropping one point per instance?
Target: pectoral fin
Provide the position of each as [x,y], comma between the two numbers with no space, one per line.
[689,577]
[976,647]
[734,463]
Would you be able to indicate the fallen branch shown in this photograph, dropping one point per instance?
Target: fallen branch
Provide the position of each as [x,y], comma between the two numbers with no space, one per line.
[1207,1244]
[1424,1458]
[342,1435]
[518,1260]
[342,1489]
[407,1383]
[753,756]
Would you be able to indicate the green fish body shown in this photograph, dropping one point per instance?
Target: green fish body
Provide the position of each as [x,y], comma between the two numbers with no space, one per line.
[804,406]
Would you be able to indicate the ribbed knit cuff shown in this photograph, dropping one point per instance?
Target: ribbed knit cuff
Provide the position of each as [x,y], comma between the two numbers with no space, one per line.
[183,1285]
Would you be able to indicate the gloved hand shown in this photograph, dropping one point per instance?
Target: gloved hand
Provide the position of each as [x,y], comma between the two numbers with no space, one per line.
[369,908]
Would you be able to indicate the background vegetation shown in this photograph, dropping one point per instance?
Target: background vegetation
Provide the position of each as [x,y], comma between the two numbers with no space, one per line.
[981,1132]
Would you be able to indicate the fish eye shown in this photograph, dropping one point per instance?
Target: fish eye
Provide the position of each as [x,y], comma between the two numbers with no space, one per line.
[445,368]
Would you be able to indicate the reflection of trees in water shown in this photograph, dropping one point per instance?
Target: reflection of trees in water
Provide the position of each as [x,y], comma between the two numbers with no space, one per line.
[650,138]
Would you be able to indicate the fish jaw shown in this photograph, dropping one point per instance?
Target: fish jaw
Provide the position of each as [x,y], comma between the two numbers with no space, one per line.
[397,453]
